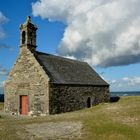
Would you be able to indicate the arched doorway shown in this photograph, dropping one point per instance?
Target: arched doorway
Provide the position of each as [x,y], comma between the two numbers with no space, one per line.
[88,102]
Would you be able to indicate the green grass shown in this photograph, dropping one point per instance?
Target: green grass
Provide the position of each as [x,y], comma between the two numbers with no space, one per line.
[107,121]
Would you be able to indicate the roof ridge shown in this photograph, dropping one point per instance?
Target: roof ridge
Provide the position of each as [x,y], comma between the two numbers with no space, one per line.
[61,57]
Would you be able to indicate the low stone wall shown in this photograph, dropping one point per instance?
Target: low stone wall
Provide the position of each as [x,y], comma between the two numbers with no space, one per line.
[65,98]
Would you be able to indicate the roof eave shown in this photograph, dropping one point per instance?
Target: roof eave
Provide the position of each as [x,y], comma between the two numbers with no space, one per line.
[75,84]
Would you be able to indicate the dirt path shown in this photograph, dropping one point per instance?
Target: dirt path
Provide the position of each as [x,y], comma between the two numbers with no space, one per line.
[57,130]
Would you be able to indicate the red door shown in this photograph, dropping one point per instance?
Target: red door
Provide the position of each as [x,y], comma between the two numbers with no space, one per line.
[24,104]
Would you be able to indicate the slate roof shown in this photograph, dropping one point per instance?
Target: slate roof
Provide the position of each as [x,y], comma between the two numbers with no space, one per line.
[67,71]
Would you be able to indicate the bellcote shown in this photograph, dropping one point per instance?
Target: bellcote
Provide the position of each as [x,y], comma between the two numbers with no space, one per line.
[28,35]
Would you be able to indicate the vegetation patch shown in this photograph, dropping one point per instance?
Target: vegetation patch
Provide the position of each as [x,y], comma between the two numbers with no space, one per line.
[107,121]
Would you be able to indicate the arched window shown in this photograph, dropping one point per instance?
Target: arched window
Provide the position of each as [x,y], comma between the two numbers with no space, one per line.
[88,102]
[23,37]
[31,38]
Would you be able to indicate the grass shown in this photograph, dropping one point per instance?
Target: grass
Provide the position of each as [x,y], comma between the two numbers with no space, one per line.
[107,121]
[1,105]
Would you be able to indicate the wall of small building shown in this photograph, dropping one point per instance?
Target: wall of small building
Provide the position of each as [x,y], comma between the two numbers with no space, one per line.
[27,78]
[65,98]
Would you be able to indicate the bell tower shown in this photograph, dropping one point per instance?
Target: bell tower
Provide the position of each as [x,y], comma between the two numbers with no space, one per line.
[28,35]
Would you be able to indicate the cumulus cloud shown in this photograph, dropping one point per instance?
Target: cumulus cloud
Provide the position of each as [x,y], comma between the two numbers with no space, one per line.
[102,32]
[126,82]
[3,19]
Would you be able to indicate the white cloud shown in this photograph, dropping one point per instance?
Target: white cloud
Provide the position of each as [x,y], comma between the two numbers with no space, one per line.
[2,84]
[70,57]
[101,32]
[3,19]
[128,82]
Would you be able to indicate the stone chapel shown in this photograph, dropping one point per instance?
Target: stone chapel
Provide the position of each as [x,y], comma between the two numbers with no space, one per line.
[40,83]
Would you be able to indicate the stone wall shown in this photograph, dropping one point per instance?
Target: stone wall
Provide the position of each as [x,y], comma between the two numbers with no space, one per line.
[65,98]
[27,78]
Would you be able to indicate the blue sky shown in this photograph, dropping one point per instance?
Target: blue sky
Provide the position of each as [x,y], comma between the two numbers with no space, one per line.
[110,43]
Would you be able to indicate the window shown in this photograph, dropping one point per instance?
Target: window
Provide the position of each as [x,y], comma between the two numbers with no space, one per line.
[23,37]
[31,38]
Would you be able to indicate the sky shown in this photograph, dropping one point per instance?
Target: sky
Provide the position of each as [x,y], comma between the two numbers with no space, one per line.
[104,33]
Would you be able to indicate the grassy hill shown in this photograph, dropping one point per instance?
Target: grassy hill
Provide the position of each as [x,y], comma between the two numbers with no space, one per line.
[108,121]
